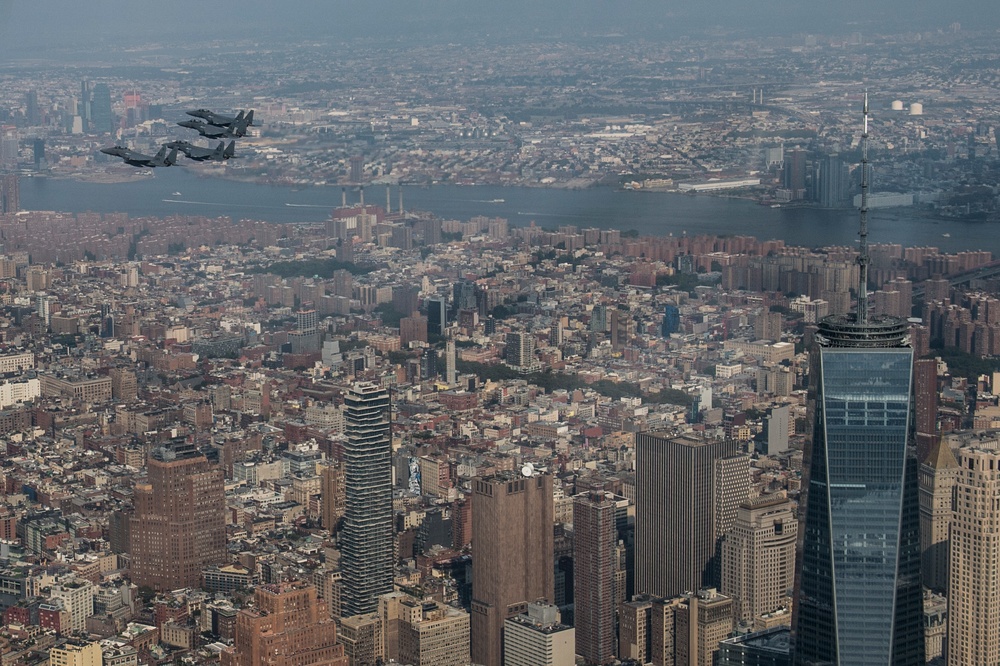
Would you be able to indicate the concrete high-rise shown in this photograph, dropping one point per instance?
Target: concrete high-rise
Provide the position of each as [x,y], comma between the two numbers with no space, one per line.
[594,550]
[512,555]
[10,197]
[520,350]
[366,540]
[973,584]
[938,474]
[925,404]
[179,525]
[858,594]
[686,490]
[537,638]
[758,557]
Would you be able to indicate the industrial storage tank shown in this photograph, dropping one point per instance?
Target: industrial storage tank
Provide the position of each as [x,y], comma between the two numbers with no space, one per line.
[897,105]
[916,109]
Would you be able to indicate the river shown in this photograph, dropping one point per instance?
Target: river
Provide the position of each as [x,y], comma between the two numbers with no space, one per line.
[181,192]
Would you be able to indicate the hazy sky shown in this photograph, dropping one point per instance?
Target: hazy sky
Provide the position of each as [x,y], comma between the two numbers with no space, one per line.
[47,24]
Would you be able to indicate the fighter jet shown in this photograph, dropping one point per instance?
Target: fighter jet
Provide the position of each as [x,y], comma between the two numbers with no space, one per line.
[132,158]
[198,154]
[219,120]
[237,128]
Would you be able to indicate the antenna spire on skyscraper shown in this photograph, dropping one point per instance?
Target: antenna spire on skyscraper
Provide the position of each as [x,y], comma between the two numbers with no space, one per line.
[863,256]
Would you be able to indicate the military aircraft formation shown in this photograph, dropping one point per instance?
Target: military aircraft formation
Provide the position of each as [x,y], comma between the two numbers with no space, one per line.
[209,124]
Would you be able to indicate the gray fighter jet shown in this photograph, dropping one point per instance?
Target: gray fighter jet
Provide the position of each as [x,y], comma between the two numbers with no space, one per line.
[237,128]
[199,154]
[218,119]
[132,158]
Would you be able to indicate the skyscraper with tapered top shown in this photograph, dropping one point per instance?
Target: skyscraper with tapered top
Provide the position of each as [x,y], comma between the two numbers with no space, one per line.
[858,595]
[366,541]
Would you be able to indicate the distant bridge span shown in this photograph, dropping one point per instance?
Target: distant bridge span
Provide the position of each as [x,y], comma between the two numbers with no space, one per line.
[984,272]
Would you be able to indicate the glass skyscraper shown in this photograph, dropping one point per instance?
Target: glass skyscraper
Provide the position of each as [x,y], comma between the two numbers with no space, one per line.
[366,540]
[858,594]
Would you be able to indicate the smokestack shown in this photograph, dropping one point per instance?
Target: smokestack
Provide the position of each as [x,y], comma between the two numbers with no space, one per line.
[400,199]
[362,198]
[343,197]
[388,200]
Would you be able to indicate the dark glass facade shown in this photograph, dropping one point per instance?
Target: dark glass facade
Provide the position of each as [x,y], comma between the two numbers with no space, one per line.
[858,594]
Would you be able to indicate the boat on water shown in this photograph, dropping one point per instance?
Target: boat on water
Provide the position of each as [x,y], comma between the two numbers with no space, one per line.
[175,194]
[497,201]
[775,205]
[946,235]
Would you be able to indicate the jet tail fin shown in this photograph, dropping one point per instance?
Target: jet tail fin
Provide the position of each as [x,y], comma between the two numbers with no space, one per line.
[220,151]
[171,159]
[230,150]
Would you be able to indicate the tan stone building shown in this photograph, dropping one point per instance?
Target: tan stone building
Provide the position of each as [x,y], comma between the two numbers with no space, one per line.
[938,473]
[973,584]
[758,557]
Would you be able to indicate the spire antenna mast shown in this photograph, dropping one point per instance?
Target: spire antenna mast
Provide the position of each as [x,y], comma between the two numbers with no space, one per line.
[863,257]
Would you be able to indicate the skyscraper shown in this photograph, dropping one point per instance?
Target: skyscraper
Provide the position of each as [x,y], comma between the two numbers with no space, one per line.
[858,598]
[179,526]
[925,399]
[685,488]
[938,473]
[366,541]
[973,585]
[512,555]
[520,350]
[102,119]
[9,193]
[437,315]
[594,542]
[758,557]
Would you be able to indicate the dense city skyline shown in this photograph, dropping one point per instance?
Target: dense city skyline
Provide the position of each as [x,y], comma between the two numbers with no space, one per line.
[624,403]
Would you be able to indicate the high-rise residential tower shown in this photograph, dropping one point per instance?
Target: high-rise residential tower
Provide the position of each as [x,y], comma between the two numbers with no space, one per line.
[179,525]
[512,555]
[687,492]
[973,585]
[594,542]
[858,594]
[366,540]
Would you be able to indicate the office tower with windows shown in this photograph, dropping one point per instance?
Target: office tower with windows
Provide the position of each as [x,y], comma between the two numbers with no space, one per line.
[101,116]
[9,193]
[687,488]
[858,595]
[973,585]
[758,557]
[437,315]
[179,525]
[520,350]
[594,549]
[925,403]
[512,555]
[938,473]
[366,540]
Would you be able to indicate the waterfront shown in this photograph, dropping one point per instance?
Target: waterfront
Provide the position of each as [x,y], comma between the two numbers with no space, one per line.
[181,192]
